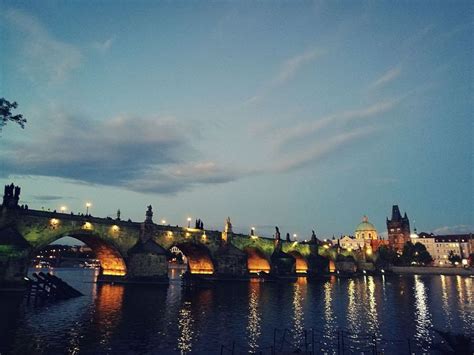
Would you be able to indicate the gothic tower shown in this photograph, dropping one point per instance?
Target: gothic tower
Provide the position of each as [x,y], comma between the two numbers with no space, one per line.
[398,229]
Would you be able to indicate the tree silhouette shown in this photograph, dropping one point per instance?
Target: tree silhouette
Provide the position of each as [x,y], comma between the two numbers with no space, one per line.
[453,258]
[6,108]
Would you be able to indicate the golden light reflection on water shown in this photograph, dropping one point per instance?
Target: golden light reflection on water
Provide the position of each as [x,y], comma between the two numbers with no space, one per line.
[423,322]
[353,321]
[299,291]
[445,299]
[254,318]
[109,310]
[372,311]
[330,322]
[185,326]
[464,290]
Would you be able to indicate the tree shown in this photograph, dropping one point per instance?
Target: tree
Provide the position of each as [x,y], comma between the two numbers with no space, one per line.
[6,108]
[415,254]
[385,257]
[422,256]
[453,258]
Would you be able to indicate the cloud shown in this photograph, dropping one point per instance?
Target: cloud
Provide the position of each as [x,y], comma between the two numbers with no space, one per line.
[145,154]
[43,57]
[181,177]
[50,197]
[456,229]
[387,77]
[320,150]
[104,46]
[287,71]
[298,131]
[292,65]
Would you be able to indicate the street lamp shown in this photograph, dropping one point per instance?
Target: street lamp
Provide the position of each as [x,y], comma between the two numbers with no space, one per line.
[189,222]
[63,209]
[88,204]
[295,235]
[163,221]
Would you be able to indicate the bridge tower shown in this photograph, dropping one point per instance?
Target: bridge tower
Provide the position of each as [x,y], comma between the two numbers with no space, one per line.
[11,196]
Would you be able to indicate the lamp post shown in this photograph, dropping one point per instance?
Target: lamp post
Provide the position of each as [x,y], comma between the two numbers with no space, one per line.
[88,204]
[163,221]
[63,209]
[189,222]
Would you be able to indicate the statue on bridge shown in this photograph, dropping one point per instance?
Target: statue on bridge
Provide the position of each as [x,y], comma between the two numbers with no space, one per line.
[288,237]
[228,225]
[227,233]
[149,215]
[277,240]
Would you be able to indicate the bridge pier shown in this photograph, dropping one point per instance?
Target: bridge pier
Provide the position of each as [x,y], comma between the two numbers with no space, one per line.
[147,263]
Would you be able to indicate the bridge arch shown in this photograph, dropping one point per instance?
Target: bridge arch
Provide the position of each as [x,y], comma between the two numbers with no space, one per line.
[257,261]
[301,265]
[112,261]
[198,257]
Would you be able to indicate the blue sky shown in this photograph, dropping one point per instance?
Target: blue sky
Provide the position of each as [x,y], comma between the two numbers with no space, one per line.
[306,115]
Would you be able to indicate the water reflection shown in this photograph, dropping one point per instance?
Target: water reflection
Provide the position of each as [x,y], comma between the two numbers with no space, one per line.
[465,301]
[372,311]
[138,320]
[254,317]
[445,299]
[423,322]
[298,315]
[185,326]
[330,319]
[108,310]
[352,318]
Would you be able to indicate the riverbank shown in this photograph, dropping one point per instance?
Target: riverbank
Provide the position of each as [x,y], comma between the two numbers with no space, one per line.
[432,270]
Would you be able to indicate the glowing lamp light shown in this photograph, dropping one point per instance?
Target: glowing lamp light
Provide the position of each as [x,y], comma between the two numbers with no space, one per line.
[115,228]
[464,262]
[87,226]
[63,209]
[204,236]
[326,246]
[170,234]
[88,205]
[163,221]
[54,222]
[369,251]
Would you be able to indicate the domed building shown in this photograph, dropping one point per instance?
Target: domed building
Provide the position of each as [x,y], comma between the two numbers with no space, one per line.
[366,231]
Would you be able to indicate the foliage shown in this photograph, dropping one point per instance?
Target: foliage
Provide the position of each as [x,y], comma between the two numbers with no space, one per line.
[348,258]
[385,256]
[453,258]
[415,254]
[6,108]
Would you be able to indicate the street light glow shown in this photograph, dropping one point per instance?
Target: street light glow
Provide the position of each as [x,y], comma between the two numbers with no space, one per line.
[63,209]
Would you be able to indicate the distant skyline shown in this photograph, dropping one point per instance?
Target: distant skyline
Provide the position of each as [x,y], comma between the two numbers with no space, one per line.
[306,115]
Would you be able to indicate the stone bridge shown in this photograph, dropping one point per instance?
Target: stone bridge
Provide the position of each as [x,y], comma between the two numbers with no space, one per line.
[140,251]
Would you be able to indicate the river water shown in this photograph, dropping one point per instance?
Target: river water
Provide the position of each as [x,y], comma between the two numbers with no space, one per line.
[393,314]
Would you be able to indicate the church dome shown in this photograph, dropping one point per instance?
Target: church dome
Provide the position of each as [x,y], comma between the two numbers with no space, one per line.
[366,230]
